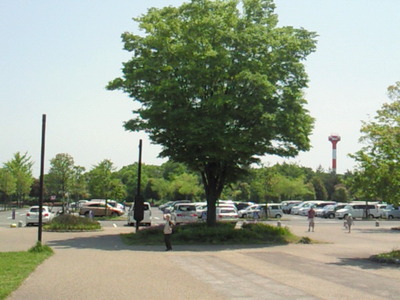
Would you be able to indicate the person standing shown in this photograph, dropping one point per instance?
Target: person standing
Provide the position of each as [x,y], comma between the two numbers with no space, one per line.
[168,231]
[349,221]
[311,216]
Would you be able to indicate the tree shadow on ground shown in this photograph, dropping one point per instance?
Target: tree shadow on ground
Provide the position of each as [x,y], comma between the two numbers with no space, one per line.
[376,230]
[365,263]
[113,242]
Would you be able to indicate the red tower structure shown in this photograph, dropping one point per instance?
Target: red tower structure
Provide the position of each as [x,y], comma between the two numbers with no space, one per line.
[334,139]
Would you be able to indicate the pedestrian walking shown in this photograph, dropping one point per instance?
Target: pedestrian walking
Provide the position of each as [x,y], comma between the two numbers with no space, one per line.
[168,231]
[349,222]
[311,216]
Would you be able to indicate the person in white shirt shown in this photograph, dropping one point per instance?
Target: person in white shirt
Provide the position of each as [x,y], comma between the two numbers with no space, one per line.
[168,231]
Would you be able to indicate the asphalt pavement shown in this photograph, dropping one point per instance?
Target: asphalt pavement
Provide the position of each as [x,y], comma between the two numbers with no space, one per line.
[97,265]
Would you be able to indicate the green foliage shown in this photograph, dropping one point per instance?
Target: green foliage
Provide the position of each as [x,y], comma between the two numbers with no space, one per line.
[20,167]
[320,190]
[341,194]
[377,175]
[219,85]
[38,248]
[387,257]
[103,184]
[63,177]
[222,233]
[68,222]
[8,183]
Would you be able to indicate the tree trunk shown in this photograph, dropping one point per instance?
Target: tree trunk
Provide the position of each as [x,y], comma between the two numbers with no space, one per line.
[213,176]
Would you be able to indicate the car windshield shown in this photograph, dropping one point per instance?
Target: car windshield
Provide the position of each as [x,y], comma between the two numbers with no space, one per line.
[348,207]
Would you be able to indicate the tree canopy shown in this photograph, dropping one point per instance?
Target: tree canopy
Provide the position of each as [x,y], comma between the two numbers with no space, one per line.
[377,174]
[219,85]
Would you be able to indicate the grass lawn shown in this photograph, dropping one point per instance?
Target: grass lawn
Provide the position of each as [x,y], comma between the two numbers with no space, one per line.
[16,266]
[222,234]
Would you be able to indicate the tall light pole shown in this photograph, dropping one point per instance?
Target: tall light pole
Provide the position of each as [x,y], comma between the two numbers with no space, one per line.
[334,139]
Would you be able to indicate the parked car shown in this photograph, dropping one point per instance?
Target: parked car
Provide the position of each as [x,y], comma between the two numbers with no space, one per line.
[226,214]
[242,205]
[200,208]
[184,213]
[32,216]
[257,210]
[169,207]
[99,209]
[273,210]
[358,210]
[247,212]
[163,206]
[146,215]
[295,209]
[391,213]
[288,204]
[381,208]
[329,211]
[316,205]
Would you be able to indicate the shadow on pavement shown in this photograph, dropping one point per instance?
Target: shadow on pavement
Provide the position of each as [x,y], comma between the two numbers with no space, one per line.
[113,242]
[364,263]
[377,230]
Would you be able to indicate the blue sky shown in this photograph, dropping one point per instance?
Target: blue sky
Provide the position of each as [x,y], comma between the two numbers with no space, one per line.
[57,57]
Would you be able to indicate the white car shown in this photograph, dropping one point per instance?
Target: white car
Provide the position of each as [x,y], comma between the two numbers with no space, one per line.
[248,211]
[358,210]
[146,215]
[32,216]
[184,213]
[226,214]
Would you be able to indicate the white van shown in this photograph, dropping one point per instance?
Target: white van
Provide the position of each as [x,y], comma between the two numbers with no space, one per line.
[274,210]
[146,215]
[359,210]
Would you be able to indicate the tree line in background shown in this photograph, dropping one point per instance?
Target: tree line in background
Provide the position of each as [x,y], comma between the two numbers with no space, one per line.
[67,182]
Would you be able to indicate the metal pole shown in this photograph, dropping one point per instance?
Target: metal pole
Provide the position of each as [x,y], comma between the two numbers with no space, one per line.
[138,213]
[139,167]
[41,178]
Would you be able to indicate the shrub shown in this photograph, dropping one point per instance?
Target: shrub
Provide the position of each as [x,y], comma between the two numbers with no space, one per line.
[72,223]
[222,233]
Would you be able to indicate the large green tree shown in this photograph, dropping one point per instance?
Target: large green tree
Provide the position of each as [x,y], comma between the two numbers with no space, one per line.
[219,85]
[20,166]
[103,182]
[62,176]
[8,185]
[377,173]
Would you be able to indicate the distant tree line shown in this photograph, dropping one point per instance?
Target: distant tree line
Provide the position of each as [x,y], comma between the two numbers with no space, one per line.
[67,182]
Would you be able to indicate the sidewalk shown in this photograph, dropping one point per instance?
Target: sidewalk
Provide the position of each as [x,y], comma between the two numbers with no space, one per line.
[98,266]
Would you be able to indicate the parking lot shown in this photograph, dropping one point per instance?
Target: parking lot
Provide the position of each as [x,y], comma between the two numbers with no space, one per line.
[336,267]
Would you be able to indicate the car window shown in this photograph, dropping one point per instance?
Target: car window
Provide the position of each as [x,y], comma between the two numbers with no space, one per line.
[187,208]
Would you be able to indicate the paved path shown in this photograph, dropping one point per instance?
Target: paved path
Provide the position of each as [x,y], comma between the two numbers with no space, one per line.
[98,266]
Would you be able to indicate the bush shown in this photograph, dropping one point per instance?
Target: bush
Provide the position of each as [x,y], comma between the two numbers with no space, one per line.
[222,233]
[72,223]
